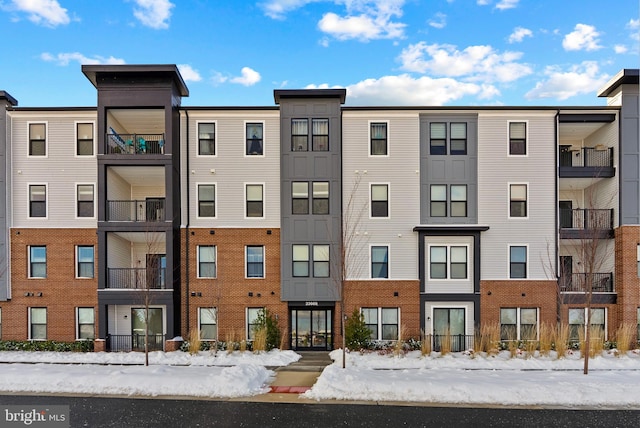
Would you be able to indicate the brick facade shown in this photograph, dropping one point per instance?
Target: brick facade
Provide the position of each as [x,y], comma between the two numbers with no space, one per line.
[496,294]
[627,282]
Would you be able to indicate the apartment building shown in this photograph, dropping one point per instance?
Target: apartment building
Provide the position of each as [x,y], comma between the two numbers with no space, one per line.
[428,220]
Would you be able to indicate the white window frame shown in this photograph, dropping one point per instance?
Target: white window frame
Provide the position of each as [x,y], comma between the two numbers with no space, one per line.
[46,138]
[370,197]
[638,260]
[0,322]
[264,204]
[215,201]
[606,319]
[264,139]
[78,262]
[246,262]
[526,138]
[46,324]
[246,318]
[78,322]
[388,246]
[371,155]
[448,278]
[519,321]
[46,262]
[215,251]
[93,185]
[528,200]
[75,133]
[379,321]
[215,315]
[215,138]
[527,258]
[46,200]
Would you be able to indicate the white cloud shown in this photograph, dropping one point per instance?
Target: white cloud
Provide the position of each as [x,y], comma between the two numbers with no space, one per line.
[578,79]
[362,27]
[48,13]
[634,26]
[438,21]
[507,4]
[407,90]
[67,57]
[188,73]
[277,9]
[583,37]
[475,63]
[153,13]
[519,33]
[620,49]
[249,77]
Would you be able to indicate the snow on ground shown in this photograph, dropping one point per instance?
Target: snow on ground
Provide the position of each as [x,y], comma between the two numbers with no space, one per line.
[457,378]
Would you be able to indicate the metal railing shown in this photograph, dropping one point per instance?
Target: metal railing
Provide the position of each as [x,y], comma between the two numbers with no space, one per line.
[451,342]
[134,144]
[587,157]
[134,342]
[577,282]
[136,278]
[138,210]
[586,219]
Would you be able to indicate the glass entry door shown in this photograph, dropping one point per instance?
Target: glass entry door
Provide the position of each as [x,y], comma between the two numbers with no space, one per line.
[138,322]
[448,325]
[311,329]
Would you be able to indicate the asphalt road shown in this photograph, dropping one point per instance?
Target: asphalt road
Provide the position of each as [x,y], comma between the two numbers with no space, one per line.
[130,412]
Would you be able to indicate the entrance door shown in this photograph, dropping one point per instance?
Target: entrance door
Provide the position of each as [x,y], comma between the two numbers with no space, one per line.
[311,329]
[566,214]
[156,269]
[138,322]
[448,326]
[155,209]
[566,273]
[565,156]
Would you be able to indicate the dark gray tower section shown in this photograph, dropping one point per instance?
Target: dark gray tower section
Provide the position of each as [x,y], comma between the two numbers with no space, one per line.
[6,102]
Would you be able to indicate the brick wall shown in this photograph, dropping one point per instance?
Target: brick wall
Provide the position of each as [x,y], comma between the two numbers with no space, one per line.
[496,294]
[627,283]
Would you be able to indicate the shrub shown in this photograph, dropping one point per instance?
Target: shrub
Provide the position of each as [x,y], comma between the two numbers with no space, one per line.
[260,340]
[624,337]
[46,345]
[266,321]
[357,334]
[194,341]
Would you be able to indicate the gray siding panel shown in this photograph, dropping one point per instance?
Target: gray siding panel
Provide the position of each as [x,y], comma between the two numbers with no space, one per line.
[630,155]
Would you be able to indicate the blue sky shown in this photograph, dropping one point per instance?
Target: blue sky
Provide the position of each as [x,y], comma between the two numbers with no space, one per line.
[385,52]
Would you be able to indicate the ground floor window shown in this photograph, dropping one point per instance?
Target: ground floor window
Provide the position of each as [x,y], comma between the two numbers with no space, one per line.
[86,323]
[382,322]
[638,337]
[37,323]
[518,323]
[208,323]
[597,320]
[252,321]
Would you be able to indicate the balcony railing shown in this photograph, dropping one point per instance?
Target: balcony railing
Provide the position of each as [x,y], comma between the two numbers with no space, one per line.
[147,210]
[136,278]
[587,162]
[586,223]
[134,342]
[456,342]
[577,283]
[134,144]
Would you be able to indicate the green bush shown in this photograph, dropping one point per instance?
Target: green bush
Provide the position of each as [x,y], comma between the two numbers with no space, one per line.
[357,334]
[46,345]
[267,320]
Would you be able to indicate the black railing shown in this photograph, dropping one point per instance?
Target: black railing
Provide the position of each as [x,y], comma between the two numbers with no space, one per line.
[136,278]
[578,283]
[147,210]
[134,342]
[450,342]
[134,144]
[586,219]
[599,156]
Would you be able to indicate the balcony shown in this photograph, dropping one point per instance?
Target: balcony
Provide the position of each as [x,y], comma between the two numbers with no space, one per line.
[586,223]
[578,283]
[134,342]
[586,162]
[134,144]
[136,278]
[148,210]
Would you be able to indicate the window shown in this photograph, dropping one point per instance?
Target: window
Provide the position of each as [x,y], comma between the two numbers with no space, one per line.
[378,135]
[638,259]
[438,200]
[86,324]
[255,141]
[518,324]
[0,323]
[320,197]
[85,200]
[300,260]
[254,200]
[206,200]
[458,200]
[517,261]
[438,138]
[379,200]
[321,261]
[207,261]
[448,262]
[208,323]
[37,139]
[252,321]
[459,138]
[300,197]
[597,320]
[38,262]
[37,323]
[255,261]
[84,139]
[517,200]
[299,135]
[85,260]
[320,137]
[517,138]
[37,200]
[382,322]
[379,261]
[638,317]
[206,139]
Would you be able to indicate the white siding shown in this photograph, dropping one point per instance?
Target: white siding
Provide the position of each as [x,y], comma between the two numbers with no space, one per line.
[119,318]
[495,171]
[400,169]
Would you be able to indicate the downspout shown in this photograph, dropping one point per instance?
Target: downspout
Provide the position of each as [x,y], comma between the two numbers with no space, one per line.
[186,259]
[557,210]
